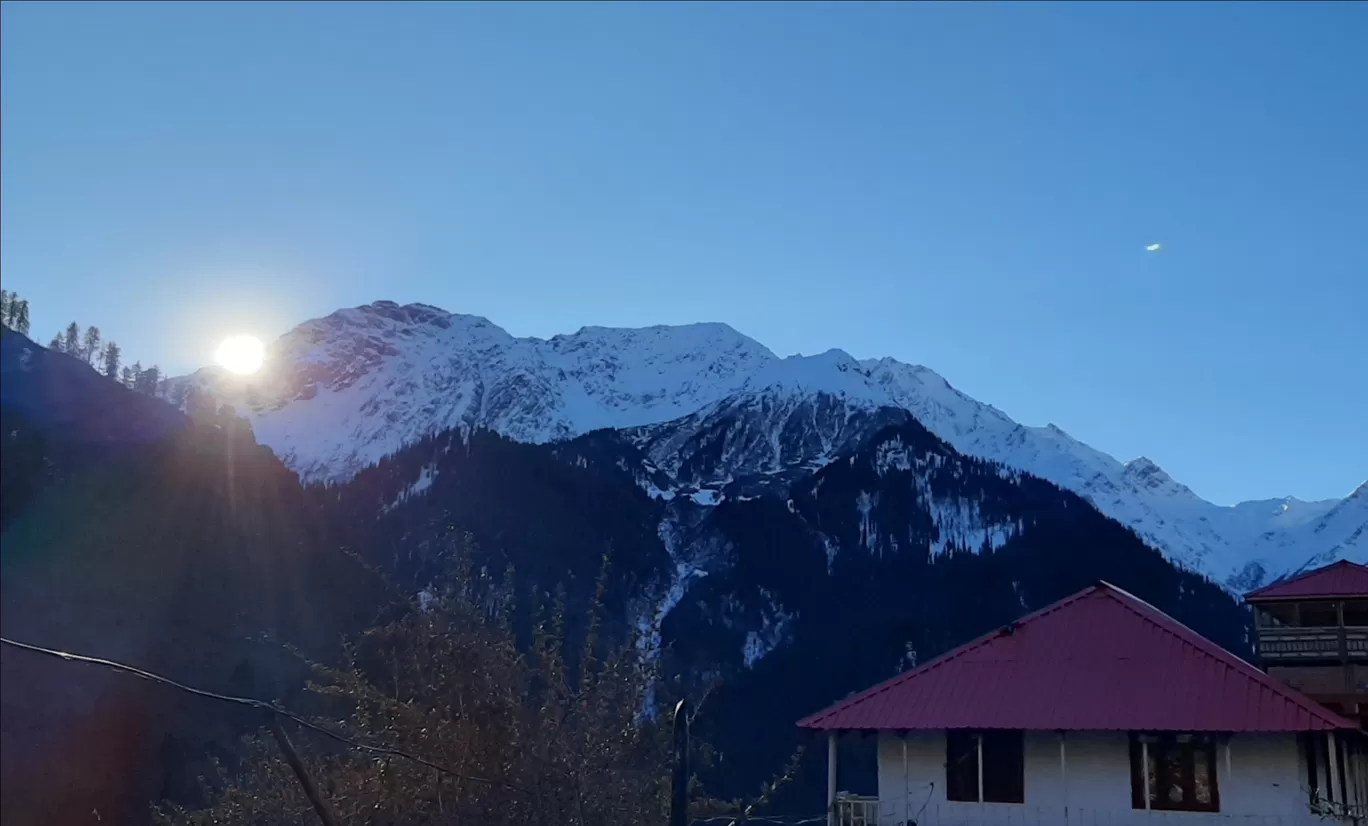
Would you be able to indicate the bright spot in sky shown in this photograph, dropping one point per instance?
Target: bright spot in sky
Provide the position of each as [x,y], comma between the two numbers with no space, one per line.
[241,354]
[1153,248]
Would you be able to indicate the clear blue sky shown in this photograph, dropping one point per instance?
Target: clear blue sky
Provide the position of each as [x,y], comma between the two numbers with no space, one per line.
[969,187]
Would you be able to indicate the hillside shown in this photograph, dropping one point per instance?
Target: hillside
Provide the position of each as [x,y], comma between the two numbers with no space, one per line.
[134,533]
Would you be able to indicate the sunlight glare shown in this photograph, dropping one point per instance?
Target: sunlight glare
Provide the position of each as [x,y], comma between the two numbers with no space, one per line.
[241,354]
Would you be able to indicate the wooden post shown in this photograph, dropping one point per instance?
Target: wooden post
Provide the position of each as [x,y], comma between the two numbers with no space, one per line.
[1347,681]
[978,743]
[1064,776]
[325,812]
[1144,769]
[1357,765]
[1336,795]
[831,778]
[907,790]
[679,792]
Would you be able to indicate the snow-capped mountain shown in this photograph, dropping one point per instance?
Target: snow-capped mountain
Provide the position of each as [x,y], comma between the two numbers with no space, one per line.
[711,406]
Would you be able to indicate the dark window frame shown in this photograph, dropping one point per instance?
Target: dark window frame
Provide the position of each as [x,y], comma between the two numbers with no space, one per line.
[999,753]
[1186,757]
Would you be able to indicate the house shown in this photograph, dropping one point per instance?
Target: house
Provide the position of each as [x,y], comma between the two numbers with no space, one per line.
[1312,633]
[1098,709]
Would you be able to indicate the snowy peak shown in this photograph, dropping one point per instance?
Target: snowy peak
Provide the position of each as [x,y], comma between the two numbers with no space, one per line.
[712,406]
[1145,474]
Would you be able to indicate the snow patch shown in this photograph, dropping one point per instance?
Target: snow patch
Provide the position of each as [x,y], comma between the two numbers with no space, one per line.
[960,525]
[773,625]
[654,491]
[708,497]
[864,505]
[416,488]
[649,624]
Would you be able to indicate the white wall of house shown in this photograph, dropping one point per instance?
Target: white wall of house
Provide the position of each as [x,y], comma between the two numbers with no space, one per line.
[1262,784]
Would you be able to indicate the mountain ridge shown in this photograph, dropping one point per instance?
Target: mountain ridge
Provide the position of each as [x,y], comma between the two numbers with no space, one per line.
[345,390]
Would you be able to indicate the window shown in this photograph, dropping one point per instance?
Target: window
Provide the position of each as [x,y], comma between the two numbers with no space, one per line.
[984,767]
[1319,614]
[1277,615]
[1176,771]
[1356,613]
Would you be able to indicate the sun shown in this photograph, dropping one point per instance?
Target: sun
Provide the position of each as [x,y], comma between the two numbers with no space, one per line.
[241,354]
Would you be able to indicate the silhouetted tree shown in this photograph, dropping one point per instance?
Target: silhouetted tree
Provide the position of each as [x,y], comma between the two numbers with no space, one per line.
[90,349]
[14,312]
[71,340]
[555,724]
[110,359]
[147,380]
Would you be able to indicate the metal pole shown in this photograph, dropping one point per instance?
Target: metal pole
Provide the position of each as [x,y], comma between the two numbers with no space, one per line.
[325,812]
[679,792]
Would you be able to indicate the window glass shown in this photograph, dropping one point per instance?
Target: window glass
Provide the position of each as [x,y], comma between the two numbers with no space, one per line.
[1180,769]
[961,766]
[1003,767]
[1000,753]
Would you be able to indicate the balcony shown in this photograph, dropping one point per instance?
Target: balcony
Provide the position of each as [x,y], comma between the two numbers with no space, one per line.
[1332,682]
[1287,645]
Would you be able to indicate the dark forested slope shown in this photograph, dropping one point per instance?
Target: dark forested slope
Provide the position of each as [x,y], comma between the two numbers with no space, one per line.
[134,533]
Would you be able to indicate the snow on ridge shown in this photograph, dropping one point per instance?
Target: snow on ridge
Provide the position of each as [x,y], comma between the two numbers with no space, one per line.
[774,625]
[415,488]
[346,390]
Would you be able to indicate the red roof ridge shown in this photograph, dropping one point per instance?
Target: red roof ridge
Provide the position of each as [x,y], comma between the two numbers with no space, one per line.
[1229,659]
[1282,583]
[936,662]
[1141,609]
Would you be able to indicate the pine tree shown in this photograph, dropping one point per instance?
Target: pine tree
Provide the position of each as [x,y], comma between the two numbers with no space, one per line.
[56,343]
[91,347]
[14,312]
[129,375]
[111,360]
[147,380]
[19,315]
[71,341]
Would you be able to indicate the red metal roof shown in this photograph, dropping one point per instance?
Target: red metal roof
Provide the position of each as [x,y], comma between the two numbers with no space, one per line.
[1100,660]
[1342,580]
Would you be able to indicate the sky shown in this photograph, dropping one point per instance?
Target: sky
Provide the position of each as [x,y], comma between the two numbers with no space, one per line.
[966,186]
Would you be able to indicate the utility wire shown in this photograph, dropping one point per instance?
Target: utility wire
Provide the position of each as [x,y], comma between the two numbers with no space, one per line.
[257,704]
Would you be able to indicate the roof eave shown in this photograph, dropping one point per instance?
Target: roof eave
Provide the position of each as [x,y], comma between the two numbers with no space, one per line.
[1254,599]
[1326,724]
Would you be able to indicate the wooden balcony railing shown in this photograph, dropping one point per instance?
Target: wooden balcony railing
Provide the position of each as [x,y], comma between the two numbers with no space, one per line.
[1333,643]
[1322,680]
